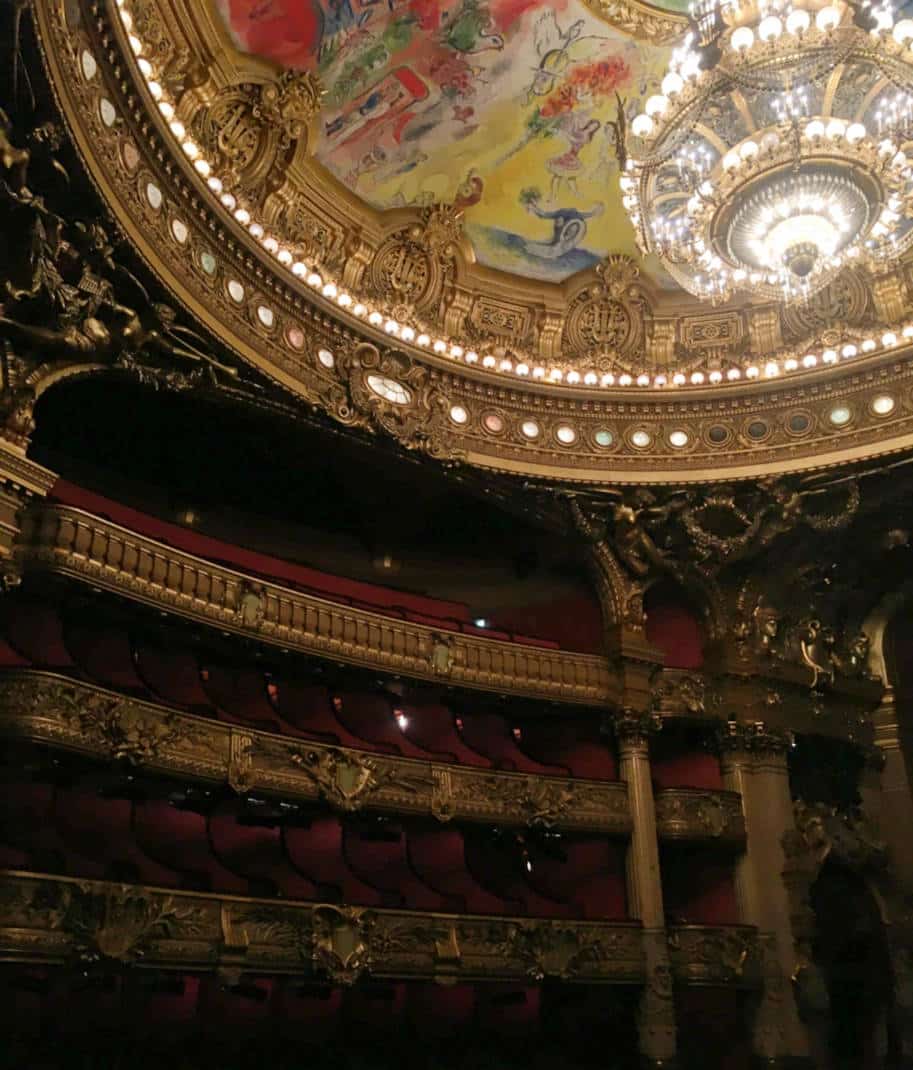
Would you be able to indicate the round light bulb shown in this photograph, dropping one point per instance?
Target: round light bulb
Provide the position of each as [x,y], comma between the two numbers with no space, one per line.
[656,105]
[770,28]
[672,84]
[742,38]
[642,126]
[798,21]
[827,18]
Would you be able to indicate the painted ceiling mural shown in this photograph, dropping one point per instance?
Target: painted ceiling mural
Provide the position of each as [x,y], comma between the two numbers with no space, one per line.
[506,108]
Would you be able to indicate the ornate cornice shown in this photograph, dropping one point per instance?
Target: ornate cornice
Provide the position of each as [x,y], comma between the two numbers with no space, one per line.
[63,713]
[699,814]
[69,542]
[57,920]
[706,955]
[302,339]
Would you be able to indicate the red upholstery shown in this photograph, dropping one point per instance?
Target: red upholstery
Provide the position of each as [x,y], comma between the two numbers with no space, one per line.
[712,1029]
[437,854]
[686,768]
[105,655]
[575,743]
[219,1005]
[101,830]
[384,865]
[180,839]
[256,853]
[591,878]
[431,726]
[491,736]
[698,887]
[240,695]
[36,631]
[307,709]
[501,869]
[316,1010]
[317,853]
[173,675]
[673,626]
[27,826]
[370,717]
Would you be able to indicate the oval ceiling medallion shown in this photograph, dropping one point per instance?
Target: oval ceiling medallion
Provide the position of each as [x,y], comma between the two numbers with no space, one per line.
[389,389]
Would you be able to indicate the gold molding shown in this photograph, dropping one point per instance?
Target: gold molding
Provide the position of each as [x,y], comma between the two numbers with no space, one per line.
[700,814]
[727,956]
[59,920]
[59,712]
[69,542]
[291,307]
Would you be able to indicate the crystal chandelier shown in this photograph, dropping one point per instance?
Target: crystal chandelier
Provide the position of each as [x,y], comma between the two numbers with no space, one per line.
[774,154]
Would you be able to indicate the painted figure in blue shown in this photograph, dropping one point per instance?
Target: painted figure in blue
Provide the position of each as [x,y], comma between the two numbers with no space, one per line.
[568,227]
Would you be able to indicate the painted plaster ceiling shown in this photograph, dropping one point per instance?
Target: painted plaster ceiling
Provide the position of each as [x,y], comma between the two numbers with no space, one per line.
[505,108]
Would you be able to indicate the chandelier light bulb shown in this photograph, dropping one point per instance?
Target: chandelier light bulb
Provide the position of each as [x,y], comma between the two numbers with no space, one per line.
[798,21]
[656,105]
[672,84]
[742,38]
[642,125]
[903,31]
[828,18]
[770,28]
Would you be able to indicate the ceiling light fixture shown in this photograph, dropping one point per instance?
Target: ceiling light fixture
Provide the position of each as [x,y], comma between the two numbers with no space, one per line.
[773,155]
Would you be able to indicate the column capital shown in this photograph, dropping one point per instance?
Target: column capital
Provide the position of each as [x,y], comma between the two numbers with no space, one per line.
[753,738]
[633,728]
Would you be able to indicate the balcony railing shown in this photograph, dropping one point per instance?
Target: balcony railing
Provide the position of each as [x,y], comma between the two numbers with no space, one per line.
[68,541]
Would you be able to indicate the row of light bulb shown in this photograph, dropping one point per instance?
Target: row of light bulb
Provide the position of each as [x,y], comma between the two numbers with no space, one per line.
[331,291]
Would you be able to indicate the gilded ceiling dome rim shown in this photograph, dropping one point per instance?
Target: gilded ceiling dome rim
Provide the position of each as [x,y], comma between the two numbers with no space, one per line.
[603,427]
[579,342]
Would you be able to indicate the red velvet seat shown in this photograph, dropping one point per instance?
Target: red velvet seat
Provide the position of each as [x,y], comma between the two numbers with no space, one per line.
[575,744]
[180,839]
[35,630]
[102,830]
[240,695]
[307,709]
[177,1008]
[491,736]
[173,675]
[27,825]
[590,878]
[431,727]
[317,853]
[384,865]
[501,869]
[10,658]
[104,655]
[256,852]
[316,1010]
[371,719]
[437,854]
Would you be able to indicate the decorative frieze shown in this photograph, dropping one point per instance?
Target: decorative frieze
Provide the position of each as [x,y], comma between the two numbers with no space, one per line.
[57,920]
[60,712]
[699,814]
[716,955]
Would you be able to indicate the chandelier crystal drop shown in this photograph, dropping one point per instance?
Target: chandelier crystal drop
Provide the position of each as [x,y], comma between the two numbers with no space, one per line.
[776,152]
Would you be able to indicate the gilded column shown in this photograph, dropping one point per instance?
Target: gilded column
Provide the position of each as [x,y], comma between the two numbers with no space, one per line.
[754,764]
[656,1023]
